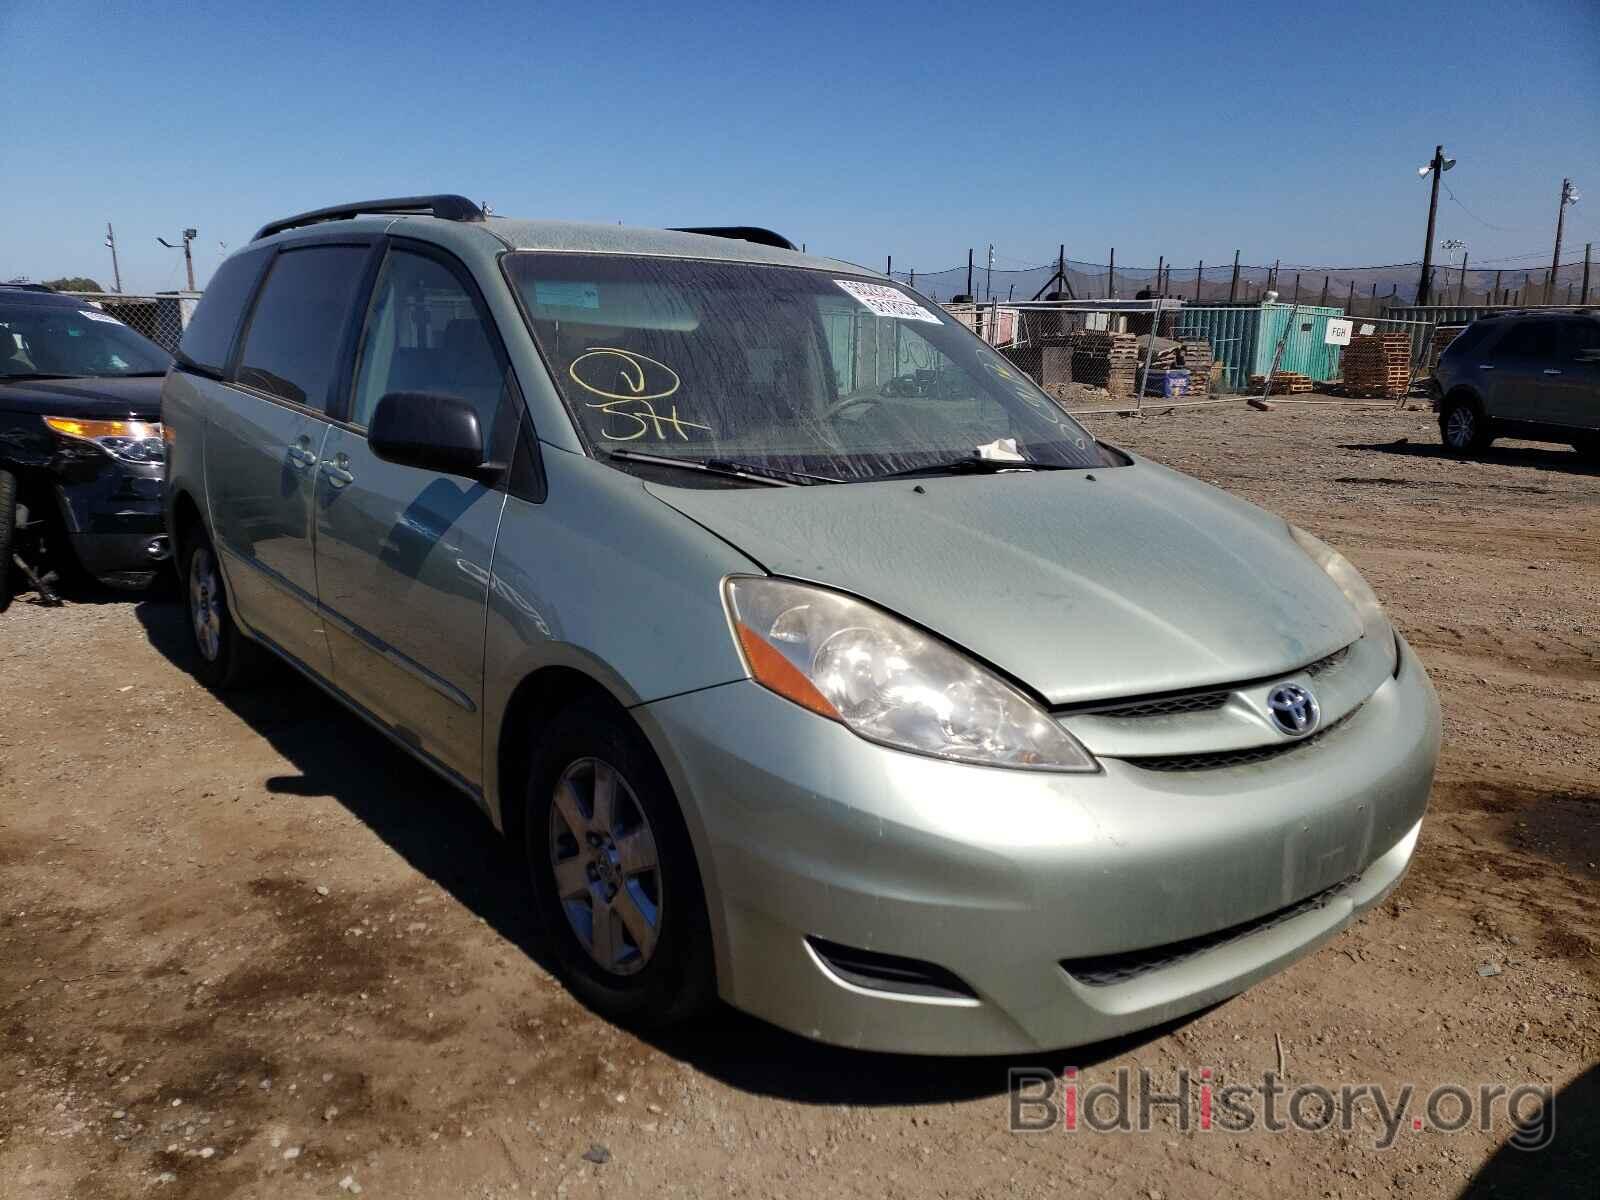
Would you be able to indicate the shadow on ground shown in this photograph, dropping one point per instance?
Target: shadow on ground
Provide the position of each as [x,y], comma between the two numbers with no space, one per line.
[1565,1166]
[1540,458]
[444,836]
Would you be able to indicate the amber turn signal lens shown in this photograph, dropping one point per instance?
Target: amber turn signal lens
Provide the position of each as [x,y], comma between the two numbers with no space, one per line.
[775,672]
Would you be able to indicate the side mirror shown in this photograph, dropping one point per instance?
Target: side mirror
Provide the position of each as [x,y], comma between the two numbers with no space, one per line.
[430,430]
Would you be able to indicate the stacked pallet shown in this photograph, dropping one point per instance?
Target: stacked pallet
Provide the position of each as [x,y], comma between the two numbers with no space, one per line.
[1284,383]
[1442,337]
[1104,359]
[1378,364]
[1197,359]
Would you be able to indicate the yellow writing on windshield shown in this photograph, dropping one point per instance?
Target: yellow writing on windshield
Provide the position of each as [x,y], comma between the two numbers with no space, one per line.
[623,375]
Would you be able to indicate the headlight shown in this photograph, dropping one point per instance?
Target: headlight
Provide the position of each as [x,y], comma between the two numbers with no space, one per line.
[1374,622]
[131,441]
[889,682]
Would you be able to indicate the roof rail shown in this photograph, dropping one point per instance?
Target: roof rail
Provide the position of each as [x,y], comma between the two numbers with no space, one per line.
[446,207]
[743,233]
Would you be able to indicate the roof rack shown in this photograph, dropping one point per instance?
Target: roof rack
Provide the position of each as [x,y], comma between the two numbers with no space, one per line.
[743,233]
[446,207]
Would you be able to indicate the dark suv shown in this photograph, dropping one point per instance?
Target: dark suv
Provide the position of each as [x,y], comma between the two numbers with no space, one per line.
[1522,374]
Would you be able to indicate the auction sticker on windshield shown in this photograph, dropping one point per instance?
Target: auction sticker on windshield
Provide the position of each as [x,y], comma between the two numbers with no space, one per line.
[886,302]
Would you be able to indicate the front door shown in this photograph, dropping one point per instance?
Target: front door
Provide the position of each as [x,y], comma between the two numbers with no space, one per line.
[265,439]
[403,554]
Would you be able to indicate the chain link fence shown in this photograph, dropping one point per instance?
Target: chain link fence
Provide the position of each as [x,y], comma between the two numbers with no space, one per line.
[1126,356]
[161,318]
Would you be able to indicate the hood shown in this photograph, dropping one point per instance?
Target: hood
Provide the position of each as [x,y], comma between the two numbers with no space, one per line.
[87,396]
[1121,581]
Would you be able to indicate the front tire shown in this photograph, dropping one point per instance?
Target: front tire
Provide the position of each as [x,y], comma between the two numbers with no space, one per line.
[613,872]
[1463,428]
[8,525]
[224,657]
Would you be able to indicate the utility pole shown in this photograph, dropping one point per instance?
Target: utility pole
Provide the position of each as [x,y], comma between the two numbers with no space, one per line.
[988,277]
[1111,276]
[1323,303]
[969,274]
[1233,287]
[888,265]
[188,258]
[1199,274]
[1161,262]
[1587,247]
[116,272]
[1297,287]
[1569,195]
[1436,167]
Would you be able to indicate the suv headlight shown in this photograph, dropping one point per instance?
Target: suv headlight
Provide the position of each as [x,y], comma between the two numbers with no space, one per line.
[888,681]
[131,441]
[1374,622]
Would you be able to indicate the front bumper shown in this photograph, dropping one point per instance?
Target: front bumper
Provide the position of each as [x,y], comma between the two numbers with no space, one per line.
[806,830]
[113,515]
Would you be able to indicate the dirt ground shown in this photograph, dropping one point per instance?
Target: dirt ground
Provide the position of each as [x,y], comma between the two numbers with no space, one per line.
[248,949]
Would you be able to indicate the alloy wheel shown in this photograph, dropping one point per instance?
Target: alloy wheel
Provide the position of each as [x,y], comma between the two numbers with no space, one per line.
[607,869]
[205,601]
[1460,427]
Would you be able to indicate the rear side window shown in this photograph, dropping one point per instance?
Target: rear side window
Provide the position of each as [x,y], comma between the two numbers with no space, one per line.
[291,349]
[1528,339]
[209,335]
[1470,340]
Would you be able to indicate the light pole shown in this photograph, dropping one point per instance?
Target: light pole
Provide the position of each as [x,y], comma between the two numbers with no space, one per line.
[1436,167]
[1461,284]
[188,258]
[111,243]
[1569,195]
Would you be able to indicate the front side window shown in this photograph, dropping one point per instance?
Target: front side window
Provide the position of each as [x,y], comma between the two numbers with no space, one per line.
[292,347]
[425,334]
[795,370]
[60,340]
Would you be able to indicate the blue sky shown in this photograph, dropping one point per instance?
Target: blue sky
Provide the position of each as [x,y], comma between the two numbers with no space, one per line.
[1291,131]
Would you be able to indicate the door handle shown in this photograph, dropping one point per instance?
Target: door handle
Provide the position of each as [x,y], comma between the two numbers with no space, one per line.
[1552,371]
[1485,366]
[336,474]
[301,457]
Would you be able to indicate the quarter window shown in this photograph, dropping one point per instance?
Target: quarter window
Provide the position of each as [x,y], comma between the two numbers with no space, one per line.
[208,338]
[425,334]
[292,348]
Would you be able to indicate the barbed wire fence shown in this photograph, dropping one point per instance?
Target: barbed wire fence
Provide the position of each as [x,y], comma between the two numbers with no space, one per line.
[1359,291]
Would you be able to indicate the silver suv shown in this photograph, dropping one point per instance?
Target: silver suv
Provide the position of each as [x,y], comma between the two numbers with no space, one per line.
[811,655]
[1532,375]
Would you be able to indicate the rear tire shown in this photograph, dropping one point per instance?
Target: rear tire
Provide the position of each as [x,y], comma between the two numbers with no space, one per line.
[8,524]
[224,657]
[616,882]
[1463,428]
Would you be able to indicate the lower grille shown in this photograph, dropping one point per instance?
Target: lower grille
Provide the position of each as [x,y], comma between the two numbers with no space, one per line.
[890,972]
[1107,969]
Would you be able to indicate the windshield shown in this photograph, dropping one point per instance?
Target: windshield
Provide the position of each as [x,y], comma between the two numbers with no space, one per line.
[54,339]
[795,370]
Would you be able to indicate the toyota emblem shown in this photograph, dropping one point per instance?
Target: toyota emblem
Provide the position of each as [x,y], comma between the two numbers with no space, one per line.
[1293,709]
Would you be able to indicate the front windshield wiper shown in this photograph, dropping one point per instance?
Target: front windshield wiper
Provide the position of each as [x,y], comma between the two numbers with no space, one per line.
[975,466]
[755,472]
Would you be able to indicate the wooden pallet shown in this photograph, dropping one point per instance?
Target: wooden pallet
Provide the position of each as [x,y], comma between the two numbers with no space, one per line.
[1378,363]
[1284,383]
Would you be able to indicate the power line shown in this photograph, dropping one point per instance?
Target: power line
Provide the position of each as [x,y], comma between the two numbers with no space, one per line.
[1475,216]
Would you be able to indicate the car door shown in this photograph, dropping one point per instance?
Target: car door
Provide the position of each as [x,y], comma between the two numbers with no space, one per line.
[1575,389]
[265,438]
[403,554]
[1519,387]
